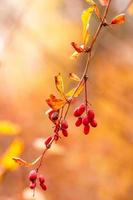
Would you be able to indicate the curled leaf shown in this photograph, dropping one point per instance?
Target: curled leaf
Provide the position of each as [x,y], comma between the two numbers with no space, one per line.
[76,92]
[74,77]
[86,16]
[119,19]
[55,103]
[59,83]
[24,163]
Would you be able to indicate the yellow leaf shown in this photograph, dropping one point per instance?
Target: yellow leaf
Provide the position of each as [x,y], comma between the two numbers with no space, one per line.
[75,93]
[15,149]
[74,77]
[86,16]
[130,9]
[8,128]
[90,2]
[24,163]
[59,83]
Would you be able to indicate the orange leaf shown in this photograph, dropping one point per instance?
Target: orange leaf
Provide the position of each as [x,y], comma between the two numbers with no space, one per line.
[119,19]
[55,103]
[74,77]
[59,83]
[75,92]
[24,163]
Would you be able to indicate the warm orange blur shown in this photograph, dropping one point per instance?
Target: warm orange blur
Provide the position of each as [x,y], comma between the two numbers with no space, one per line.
[35,39]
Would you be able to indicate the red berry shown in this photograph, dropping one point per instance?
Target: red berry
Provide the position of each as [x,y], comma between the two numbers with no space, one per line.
[76,112]
[41,179]
[56,137]
[54,116]
[91,114]
[64,124]
[85,121]
[86,129]
[32,175]
[82,109]
[48,140]
[78,122]
[44,187]
[32,185]
[93,123]
[64,132]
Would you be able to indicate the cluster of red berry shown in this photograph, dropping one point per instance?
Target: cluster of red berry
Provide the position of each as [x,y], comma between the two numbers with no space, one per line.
[87,120]
[33,176]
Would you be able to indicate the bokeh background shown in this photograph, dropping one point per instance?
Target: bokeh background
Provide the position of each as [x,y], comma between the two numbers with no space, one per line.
[35,37]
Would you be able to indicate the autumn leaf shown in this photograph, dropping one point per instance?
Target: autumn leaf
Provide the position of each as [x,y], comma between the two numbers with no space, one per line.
[55,103]
[59,84]
[130,9]
[15,149]
[9,128]
[104,2]
[24,163]
[74,77]
[119,19]
[86,16]
[75,92]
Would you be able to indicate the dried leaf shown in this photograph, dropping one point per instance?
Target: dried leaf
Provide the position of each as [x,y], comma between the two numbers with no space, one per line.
[119,19]
[86,16]
[55,103]
[130,9]
[74,77]
[72,92]
[24,163]
[8,128]
[59,83]
[104,2]
[15,149]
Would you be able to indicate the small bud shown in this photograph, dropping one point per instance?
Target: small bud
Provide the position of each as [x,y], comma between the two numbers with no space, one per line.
[78,122]
[41,179]
[64,124]
[86,129]
[76,112]
[47,141]
[64,132]
[43,186]
[93,123]
[32,175]
[82,109]
[90,115]
[32,185]
[85,121]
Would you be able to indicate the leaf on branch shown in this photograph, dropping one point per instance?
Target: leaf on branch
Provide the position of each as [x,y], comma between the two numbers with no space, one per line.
[74,77]
[119,19]
[55,103]
[15,149]
[76,92]
[24,163]
[130,9]
[59,84]
[104,2]
[78,48]
[85,17]
[8,128]
[76,54]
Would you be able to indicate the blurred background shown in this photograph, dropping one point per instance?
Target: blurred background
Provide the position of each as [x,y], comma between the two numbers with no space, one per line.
[35,37]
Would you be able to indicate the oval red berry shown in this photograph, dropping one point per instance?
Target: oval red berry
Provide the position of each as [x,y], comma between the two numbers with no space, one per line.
[32,175]
[85,121]
[78,122]
[86,129]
